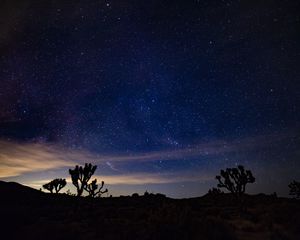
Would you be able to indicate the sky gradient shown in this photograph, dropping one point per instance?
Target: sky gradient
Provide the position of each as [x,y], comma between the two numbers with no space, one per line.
[160,95]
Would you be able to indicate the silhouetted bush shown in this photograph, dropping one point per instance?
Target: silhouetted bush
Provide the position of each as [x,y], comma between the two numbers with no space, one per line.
[94,189]
[68,192]
[81,175]
[274,195]
[235,179]
[160,195]
[146,194]
[295,189]
[214,191]
[55,185]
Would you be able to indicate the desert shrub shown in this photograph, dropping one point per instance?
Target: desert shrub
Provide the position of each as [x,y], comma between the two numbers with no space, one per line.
[68,192]
[215,191]
[160,195]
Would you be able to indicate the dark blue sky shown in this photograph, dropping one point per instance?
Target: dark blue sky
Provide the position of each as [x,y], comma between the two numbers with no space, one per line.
[174,87]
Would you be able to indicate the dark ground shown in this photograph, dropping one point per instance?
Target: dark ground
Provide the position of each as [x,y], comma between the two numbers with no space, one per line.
[30,214]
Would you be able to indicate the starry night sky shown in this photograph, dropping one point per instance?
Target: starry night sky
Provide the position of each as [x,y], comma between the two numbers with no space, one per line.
[159,94]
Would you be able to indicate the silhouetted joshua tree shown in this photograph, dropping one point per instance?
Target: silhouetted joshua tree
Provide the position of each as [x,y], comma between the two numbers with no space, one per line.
[94,189]
[235,179]
[295,189]
[81,176]
[55,185]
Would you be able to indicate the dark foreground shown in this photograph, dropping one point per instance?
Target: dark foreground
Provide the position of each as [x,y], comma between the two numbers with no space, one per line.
[29,214]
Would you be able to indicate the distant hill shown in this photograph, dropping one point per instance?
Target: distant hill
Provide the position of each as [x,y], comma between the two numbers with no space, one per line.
[15,192]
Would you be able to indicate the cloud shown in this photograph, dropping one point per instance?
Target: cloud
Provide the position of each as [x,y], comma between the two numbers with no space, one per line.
[140,178]
[154,178]
[21,158]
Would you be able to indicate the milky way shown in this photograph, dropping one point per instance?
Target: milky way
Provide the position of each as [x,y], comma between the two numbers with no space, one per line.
[159,94]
